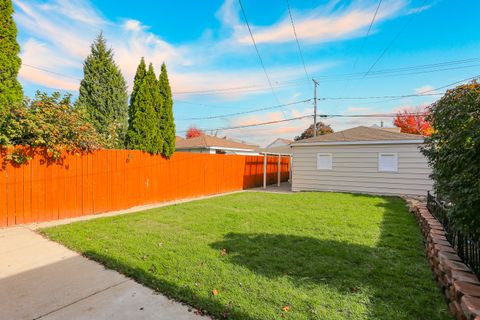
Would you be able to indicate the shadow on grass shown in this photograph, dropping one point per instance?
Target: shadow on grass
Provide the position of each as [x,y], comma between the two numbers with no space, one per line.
[390,270]
[394,271]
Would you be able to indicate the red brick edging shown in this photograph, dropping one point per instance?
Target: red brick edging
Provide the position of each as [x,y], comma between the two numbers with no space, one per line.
[460,286]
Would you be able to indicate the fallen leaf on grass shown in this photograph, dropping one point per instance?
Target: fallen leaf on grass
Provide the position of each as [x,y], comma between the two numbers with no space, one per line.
[215,292]
[223,252]
[286,308]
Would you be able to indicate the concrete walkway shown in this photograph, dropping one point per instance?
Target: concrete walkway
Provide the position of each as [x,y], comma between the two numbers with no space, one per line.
[40,279]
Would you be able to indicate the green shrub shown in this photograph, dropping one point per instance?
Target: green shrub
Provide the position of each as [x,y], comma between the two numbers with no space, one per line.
[49,125]
[453,151]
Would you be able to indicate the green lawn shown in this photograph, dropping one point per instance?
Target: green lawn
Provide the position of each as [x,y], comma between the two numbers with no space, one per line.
[325,255]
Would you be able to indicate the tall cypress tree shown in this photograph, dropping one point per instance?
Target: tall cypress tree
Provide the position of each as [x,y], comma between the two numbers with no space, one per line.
[167,123]
[137,81]
[157,101]
[10,89]
[143,131]
[103,93]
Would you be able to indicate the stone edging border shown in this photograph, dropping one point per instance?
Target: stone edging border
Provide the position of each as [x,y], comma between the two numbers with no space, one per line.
[460,286]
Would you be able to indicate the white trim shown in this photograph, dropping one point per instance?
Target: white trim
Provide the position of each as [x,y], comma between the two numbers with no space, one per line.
[328,143]
[395,154]
[331,161]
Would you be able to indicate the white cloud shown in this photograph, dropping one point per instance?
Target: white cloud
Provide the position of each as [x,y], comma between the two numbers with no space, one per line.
[60,34]
[265,134]
[228,14]
[37,51]
[75,10]
[132,25]
[324,24]
[420,9]
[424,89]
[358,110]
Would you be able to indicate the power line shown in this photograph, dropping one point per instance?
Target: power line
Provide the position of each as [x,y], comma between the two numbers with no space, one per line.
[245,112]
[256,49]
[348,115]
[305,101]
[374,115]
[298,43]
[49,71]
[334,77]
[392,41]
[392,98]
[197,103]
[453,83]
[380,97]
[367,34]
[363,42]
[324,78]
[254,124]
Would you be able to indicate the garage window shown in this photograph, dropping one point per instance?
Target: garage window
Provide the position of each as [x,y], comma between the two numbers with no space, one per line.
[324,161]
[387,162]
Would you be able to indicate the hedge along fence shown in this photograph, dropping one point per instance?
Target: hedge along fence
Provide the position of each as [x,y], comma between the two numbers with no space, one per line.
[108,180]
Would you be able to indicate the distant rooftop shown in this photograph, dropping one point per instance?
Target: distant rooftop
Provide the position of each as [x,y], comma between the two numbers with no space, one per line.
[281,140]
[206,142]
[362,134]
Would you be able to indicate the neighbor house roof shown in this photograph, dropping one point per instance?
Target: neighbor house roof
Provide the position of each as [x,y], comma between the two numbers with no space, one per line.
[207,142]
[177,139]
[284,141]
[393,129]
[361,134]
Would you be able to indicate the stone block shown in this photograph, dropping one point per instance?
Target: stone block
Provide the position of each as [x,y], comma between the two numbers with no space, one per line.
[448,265]
[459,289]
[470,307]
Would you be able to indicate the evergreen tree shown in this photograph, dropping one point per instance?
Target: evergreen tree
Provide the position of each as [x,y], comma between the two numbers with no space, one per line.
[157,101]
[103,94]
[10,89]
[137,81]
[143,131]
[167,124]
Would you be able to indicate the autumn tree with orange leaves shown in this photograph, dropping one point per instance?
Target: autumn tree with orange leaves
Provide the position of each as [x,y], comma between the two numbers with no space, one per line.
[413,122]
[193,132]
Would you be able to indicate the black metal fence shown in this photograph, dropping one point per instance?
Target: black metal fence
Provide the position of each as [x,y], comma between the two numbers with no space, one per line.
[467,247]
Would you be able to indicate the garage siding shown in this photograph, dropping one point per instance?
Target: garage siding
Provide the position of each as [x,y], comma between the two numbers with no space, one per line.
[355,169]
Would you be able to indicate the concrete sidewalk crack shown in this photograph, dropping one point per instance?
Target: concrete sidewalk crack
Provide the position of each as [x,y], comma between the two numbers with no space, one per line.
[81,299]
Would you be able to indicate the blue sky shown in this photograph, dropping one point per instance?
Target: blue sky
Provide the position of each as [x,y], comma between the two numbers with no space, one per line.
[208,51]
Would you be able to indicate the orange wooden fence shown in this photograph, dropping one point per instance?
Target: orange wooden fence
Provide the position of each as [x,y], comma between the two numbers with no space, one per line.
[109,180]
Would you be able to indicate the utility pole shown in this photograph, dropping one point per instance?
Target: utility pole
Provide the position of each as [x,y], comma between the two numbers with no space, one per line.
[315,84]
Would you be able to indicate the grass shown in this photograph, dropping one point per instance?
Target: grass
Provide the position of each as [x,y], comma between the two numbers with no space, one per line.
[324,255]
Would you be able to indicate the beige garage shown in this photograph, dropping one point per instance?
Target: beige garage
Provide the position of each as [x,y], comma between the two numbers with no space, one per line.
[361,159]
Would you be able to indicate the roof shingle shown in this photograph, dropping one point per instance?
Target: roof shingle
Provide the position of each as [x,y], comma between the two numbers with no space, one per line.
[206,141]
[362,133]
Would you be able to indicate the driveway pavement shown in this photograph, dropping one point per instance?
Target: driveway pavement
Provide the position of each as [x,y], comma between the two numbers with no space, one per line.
[40,279]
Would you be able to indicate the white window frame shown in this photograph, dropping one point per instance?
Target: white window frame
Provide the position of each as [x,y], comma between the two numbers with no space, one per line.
[325,154]
[395,154]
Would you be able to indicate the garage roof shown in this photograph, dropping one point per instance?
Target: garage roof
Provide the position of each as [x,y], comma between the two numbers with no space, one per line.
[362,134]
